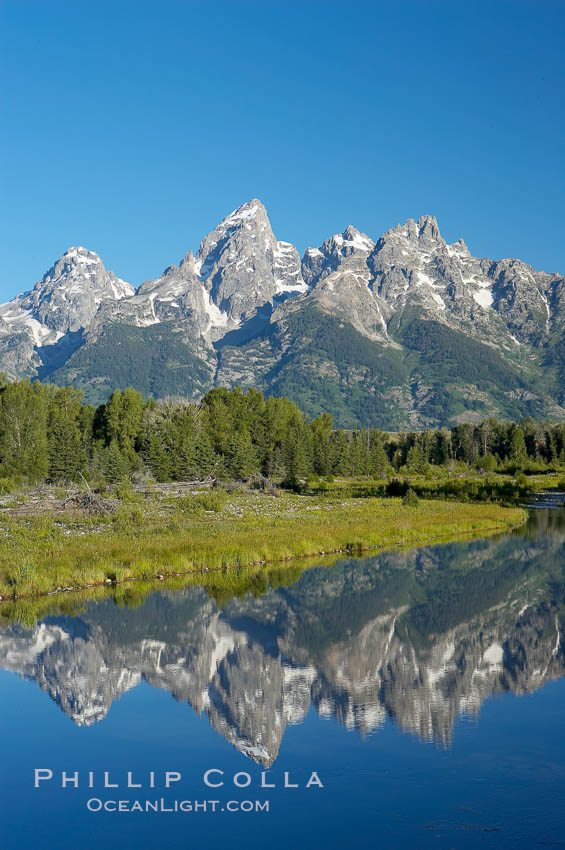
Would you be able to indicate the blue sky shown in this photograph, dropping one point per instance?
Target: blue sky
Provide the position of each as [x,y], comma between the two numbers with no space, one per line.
[133,127]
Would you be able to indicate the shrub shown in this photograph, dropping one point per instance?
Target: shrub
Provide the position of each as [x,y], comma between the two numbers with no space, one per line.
[8,484]
[410,499]
[124,491]
[128,518]
[213,500]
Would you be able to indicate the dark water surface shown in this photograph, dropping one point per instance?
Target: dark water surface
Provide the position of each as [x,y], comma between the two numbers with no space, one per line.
[423,689]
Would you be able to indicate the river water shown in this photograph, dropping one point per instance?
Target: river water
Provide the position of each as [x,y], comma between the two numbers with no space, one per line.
[415,699]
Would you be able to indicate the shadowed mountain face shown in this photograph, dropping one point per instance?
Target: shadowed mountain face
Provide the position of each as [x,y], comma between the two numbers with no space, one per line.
[404,330]
[419,637]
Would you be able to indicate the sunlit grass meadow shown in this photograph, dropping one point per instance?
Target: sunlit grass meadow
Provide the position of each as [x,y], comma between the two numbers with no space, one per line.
[150,537]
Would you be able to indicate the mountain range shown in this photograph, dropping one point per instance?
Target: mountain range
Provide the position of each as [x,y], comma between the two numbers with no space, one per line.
[405,331]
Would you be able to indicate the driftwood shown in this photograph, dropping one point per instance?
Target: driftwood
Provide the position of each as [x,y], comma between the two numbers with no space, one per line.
[44,499]
[177,487]
[89,502]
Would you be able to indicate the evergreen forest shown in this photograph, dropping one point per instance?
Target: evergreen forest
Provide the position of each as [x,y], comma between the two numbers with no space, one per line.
[48,434]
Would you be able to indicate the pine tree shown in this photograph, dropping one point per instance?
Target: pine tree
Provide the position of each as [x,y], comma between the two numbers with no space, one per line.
[321,431]
[240,457]
[440,447]
[340,453]
[416,460]
[205,457]
[379,463]
[518,446]
[115,465]
[295,451]
[156,457]
[67,457]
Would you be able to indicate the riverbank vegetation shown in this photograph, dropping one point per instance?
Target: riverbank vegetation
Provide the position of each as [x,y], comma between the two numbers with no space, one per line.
[164,533]
[89,495]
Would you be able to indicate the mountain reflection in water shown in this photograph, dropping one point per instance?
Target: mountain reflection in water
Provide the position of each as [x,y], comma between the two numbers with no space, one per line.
[420,637]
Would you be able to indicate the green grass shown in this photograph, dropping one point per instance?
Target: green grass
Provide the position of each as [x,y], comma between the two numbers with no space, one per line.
[215,534]
[470,485]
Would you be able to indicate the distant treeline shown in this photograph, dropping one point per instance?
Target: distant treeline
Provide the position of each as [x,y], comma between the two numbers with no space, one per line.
[47,433]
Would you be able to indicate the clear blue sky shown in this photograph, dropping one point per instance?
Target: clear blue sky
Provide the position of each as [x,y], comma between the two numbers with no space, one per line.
[133,127]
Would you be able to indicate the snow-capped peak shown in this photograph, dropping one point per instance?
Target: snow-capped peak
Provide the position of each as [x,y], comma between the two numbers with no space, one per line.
[346,243]
[81,255]
[248,222]
[79,267]
[353,237]
[423,232]
[458,249]
[244,212]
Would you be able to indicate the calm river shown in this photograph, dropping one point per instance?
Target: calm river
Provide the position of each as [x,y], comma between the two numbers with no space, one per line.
[413,699]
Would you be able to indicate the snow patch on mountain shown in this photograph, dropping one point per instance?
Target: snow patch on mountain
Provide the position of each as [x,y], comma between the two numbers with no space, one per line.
[244,212]
[354,239]
[483,297]
[243,277]
[286,269]
[217,318]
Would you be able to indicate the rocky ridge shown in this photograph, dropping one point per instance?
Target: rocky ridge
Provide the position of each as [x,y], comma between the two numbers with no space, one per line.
[245,308]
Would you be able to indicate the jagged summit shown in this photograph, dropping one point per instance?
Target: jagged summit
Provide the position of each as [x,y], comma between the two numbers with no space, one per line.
[421,234]
[226,316]
[251,216]
[63,302]
[79,254]
[245,212]
[459,248]
[238,273]
[244,266]
[350,240]
[81,264]
[318,263]
[358,239]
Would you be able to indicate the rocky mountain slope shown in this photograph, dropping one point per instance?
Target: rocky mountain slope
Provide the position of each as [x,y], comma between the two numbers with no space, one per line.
[405,331]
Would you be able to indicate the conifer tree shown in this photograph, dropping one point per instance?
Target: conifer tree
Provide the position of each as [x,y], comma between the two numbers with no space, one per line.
[67,455]
[340,453]
[296,450]
[416,460]
[240,457]
[205,456]
[123,421]
[379,463]
[517,445]
[115,465]
[156,457]
[321,431]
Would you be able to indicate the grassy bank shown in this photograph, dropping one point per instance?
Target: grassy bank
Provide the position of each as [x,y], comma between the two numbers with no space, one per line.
[470,486]
[161,535]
